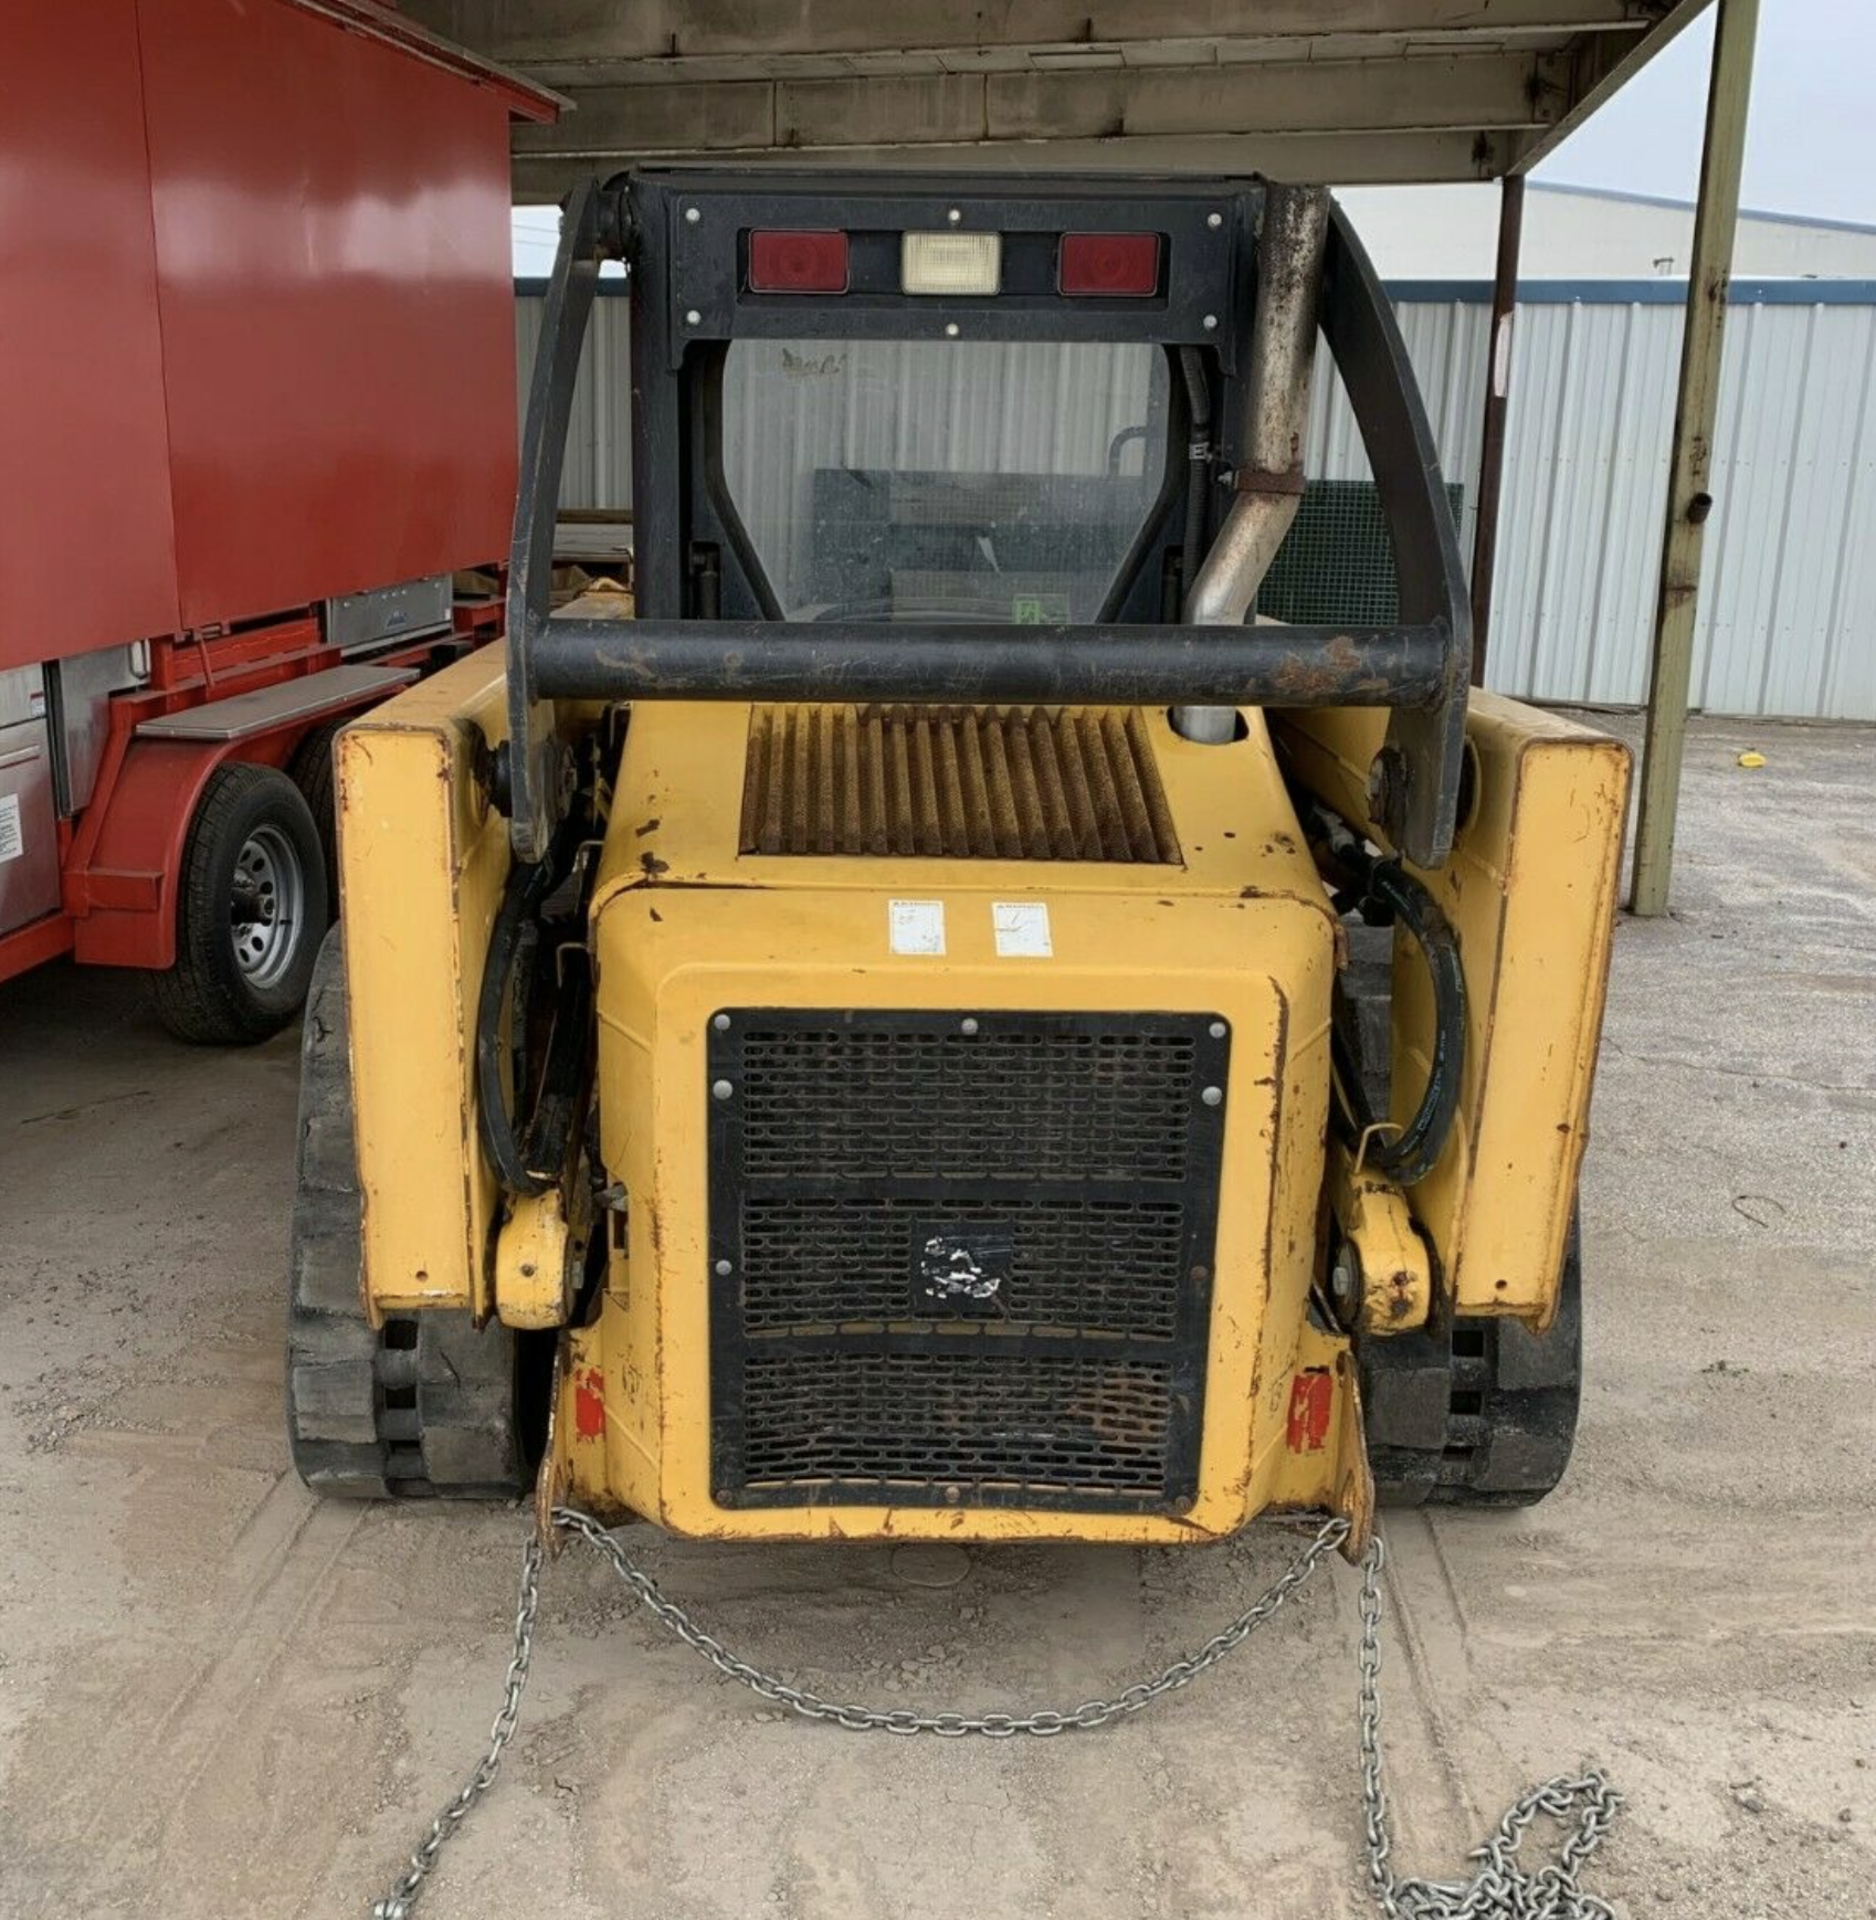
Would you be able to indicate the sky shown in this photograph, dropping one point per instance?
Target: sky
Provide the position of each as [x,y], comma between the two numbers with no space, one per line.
[1808,137]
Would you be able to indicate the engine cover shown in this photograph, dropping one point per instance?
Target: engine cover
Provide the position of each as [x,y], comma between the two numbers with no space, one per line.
[965,1073]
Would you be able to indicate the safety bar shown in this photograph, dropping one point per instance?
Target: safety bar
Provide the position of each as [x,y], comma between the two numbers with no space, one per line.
[945,663]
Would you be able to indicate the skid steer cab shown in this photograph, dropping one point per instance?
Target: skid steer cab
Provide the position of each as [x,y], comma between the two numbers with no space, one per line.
[1014,995]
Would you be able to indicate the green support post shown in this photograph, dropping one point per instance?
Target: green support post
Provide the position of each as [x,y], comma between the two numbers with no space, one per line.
[1689,498]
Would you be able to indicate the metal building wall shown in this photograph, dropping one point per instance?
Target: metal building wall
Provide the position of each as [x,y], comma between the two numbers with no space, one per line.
[1788,598]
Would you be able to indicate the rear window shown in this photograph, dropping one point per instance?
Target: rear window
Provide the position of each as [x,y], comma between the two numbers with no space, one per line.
[944,480]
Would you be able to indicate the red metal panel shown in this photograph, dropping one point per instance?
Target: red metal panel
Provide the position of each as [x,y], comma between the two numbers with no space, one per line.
[333,249]
[86,555]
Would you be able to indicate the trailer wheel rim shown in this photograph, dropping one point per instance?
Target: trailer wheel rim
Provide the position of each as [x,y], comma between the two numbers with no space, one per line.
[268,906]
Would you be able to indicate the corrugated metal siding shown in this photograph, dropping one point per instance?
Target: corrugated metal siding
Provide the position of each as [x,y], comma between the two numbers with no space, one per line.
[1788,592]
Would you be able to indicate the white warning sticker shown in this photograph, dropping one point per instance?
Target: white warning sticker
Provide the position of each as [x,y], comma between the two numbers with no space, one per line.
[12,835]
[1022,928]
[917,928]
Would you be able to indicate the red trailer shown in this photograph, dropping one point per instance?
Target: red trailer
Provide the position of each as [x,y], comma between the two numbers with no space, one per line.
[256,409]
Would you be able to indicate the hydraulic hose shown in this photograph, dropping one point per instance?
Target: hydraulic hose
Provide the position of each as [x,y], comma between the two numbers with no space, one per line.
[527,1155]
[1383,891]
[527,887]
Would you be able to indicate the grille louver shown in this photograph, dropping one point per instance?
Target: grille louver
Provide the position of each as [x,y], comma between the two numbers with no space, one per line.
[956,783]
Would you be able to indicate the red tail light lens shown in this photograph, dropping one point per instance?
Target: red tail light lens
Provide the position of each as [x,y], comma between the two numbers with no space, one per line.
[797,263]
[1109,263]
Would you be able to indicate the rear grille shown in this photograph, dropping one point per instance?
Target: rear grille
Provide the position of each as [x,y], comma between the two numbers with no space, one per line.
[956,783]
[961,1267]
[1056,1103]
[1093,1424]
[1099,1266]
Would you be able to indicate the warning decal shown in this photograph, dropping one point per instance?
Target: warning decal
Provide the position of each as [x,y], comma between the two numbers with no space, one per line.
[1022,930]
[917,928]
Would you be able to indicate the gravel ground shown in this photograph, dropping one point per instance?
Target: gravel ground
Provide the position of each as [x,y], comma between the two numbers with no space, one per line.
[218,1696]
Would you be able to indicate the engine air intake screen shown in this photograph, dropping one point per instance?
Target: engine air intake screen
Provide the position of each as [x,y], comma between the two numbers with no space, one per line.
[961,1259]
[956,783]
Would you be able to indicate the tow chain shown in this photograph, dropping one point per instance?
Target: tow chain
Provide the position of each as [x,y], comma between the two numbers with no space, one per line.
[1501,1888]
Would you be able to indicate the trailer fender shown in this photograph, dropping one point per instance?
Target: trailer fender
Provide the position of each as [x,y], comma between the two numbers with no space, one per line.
[120,887]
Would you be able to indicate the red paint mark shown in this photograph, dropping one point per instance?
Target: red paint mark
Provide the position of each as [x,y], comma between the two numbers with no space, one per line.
[589,1404]
[1312,1400]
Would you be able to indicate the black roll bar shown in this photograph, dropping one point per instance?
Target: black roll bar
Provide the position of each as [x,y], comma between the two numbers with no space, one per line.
[956,664]
[1419,668]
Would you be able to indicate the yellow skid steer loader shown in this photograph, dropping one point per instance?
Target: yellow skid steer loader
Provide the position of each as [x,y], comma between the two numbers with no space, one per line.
[1021,996]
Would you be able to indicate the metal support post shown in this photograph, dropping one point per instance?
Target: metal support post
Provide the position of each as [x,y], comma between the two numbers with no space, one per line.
[1497,396]
[1689,498]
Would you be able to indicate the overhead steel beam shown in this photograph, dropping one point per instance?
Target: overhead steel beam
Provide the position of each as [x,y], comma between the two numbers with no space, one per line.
[567,38]
[1605,64]
[1716,218]
[1386,90]
[1459,93]
[1307,159]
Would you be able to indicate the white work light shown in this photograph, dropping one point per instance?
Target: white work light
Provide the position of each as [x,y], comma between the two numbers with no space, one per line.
[951,262]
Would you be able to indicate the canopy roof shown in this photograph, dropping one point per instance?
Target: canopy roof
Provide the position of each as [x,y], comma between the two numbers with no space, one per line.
[1338,91]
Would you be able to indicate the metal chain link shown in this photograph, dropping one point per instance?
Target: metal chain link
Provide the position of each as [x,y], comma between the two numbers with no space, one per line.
[995,1726]
[1500,1890]
[397,1904]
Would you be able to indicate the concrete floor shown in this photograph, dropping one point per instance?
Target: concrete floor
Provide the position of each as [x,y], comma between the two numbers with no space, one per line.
[218,1696]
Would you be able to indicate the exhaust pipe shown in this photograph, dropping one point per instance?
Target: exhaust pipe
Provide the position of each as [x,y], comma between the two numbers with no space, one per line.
[1269,482]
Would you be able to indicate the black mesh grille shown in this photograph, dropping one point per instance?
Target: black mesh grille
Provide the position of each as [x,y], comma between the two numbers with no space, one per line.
[963,1259]
[1091,1265]
[902,1419]
[1003,1105]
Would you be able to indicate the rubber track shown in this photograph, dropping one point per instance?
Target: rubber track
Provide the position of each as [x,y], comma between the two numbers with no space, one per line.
[422,1406]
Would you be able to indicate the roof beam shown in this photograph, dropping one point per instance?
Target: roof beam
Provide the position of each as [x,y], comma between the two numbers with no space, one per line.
[1377,159]
[1376,90]
[1459,93]
[556,38]
[1602,67]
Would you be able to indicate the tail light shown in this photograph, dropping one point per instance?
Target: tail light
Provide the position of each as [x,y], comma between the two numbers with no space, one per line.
[1109,263]
[951,262]
[797,262]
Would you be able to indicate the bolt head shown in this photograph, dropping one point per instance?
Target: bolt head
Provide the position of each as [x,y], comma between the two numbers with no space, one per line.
[693,318]
[967,1026]
[1214,220]
[724,1269]
[954,215]
[691,216]
[1218,1029]
[721,1090]
[951,329]
[721,1022]
[1210,323]
[1213,1096]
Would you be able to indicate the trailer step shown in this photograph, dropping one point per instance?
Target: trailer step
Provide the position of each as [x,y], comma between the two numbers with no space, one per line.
[243,714]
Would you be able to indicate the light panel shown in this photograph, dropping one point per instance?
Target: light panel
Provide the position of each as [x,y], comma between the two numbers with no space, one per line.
[953,263]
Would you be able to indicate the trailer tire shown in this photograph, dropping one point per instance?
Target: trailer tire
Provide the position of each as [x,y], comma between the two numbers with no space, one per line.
[251,911]
[424,1404]
[313,771]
